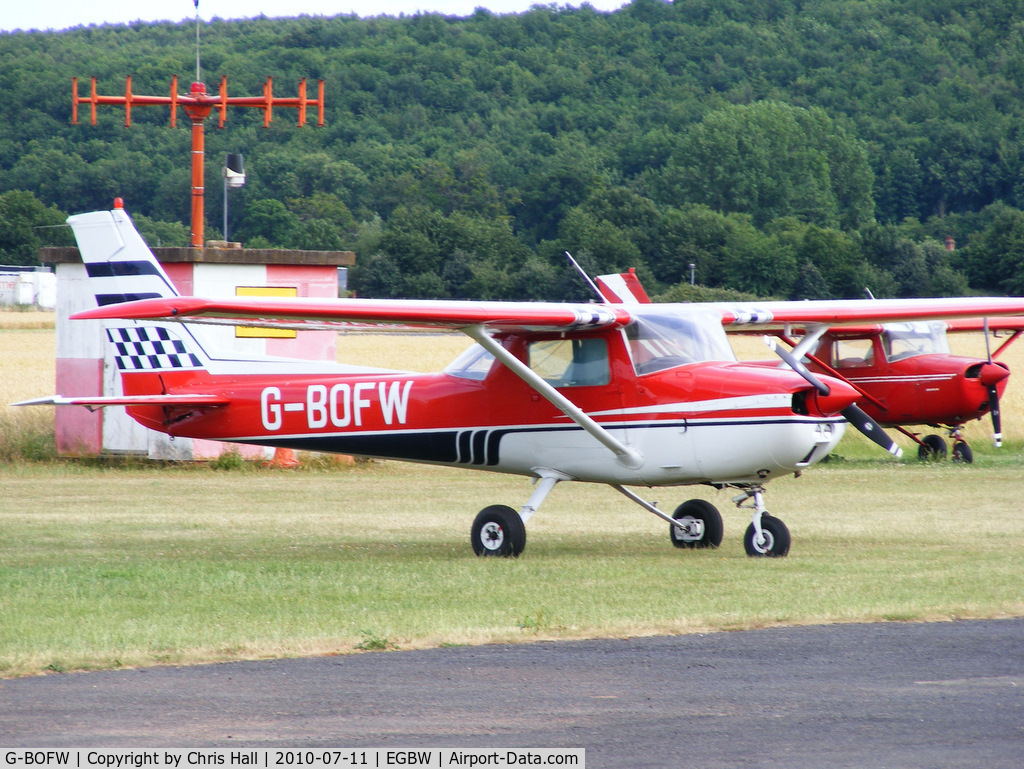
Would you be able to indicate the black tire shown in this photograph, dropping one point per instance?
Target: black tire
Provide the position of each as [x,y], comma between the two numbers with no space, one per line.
[498,530]
[962,452]
[932,448]
[701,511]
[777,536]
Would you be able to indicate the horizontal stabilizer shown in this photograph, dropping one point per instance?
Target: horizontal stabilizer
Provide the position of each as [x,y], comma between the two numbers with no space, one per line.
[94,402]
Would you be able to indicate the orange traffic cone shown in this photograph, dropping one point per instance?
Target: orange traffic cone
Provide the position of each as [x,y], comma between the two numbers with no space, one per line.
[284,458]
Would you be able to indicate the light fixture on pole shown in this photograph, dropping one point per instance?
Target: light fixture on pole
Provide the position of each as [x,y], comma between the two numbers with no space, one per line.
[234,176]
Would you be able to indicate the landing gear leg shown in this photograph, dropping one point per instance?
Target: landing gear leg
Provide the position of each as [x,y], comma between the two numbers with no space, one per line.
[961,451]
[695,524]
[766,536]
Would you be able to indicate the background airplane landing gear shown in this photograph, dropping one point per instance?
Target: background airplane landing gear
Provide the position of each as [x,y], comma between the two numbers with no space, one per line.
[776,538]
[498,530]
[931,447]
[962,452]
[704,525]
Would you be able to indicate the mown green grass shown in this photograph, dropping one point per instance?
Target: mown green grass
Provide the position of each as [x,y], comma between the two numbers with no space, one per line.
[103,567]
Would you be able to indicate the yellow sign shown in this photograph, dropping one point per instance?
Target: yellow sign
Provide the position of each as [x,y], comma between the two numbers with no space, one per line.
[254,332]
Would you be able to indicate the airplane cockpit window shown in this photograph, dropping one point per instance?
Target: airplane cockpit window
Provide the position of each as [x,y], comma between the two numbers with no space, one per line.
[571,362]
[906,340]
[851,353]
[661,340]
[472,363]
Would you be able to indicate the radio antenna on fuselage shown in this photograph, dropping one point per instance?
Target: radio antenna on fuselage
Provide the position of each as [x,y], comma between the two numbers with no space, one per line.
[592,284]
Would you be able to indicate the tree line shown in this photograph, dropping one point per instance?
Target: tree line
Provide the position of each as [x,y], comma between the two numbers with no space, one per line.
[784,148]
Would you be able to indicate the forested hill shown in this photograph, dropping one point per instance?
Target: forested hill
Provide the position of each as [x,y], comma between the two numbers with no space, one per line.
[785,148]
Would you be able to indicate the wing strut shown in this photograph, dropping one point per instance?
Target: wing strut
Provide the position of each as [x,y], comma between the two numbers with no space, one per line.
[626,455]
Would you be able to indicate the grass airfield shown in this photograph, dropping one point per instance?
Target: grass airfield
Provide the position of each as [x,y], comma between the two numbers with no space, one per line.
[133,565]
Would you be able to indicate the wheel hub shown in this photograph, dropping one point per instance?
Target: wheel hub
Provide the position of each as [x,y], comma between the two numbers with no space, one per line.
[765,543]
[692,529]
[492,536]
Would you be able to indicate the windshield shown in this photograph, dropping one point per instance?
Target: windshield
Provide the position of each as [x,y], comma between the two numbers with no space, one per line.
[905,340]
[659,339]
[472,363]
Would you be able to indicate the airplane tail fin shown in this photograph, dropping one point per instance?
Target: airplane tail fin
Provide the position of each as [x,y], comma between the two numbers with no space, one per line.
[119,263]
[121,268]
[624,288]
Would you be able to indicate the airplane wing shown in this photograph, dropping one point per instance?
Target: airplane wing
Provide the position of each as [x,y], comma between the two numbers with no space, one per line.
[741,316]
[961,325]
[1002,324]
[961,313]
[737,317]
[304,313]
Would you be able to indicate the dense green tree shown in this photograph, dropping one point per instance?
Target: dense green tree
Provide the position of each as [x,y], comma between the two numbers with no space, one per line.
[996,255]
[462,156]
[158,233]
[771,160]
[269,222]
[809,283]
[26,225]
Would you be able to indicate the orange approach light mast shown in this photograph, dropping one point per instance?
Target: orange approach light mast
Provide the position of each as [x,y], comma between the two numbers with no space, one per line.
[198,105]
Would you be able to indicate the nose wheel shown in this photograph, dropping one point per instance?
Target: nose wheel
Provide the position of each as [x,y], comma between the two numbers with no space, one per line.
[773,542]
[766,536]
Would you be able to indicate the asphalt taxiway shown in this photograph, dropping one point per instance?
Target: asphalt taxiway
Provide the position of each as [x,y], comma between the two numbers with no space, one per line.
[947,694]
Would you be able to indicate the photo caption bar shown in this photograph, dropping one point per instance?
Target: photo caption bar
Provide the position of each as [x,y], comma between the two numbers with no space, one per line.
[275,758]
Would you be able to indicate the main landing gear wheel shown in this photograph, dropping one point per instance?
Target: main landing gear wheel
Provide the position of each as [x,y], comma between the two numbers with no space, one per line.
[962,452]
[776,538]
[703,525]
[932,448]
[498,530]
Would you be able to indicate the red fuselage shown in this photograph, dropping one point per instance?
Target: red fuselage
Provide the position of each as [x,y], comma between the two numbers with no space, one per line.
[711,421]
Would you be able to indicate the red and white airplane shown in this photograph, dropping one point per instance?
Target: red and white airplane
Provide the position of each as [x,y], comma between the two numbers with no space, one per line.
[908,376]
[905,372]
[620,394]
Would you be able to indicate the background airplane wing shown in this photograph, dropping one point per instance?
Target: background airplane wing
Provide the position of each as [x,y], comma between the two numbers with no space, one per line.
[744,317]
[962,325]
[302,313]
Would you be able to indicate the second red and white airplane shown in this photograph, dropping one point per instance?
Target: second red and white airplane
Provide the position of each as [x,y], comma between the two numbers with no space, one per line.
[628,395]
[905,372]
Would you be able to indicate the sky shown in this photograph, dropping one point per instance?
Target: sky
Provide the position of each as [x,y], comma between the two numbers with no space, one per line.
[62,14]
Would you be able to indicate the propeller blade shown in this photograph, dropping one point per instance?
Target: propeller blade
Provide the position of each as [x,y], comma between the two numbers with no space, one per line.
[798,367]
[869,427]
[993,396]
[997,418]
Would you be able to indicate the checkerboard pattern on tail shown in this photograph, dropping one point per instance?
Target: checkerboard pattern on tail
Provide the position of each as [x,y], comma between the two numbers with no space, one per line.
[150,348]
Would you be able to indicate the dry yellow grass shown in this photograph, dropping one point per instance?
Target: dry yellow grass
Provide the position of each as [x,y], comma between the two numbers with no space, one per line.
[411,352]
[27,363]
[26,319]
